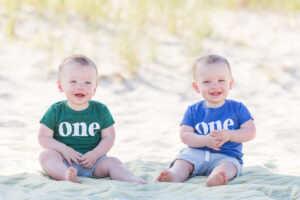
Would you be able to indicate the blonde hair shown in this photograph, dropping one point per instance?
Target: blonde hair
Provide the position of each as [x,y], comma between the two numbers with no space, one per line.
[76,59]
[209,60]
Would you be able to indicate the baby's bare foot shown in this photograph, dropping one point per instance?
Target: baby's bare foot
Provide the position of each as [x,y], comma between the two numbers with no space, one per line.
[71,175]
[166,176]
[217,178]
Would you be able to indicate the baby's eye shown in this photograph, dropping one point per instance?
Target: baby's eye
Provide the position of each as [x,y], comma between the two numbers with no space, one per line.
[206,82]
[72,81]
[88,82]
[221,80]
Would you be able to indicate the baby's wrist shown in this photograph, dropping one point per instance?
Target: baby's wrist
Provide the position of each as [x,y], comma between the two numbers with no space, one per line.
[64,148]
[95,153]
[228,135]
[205,140]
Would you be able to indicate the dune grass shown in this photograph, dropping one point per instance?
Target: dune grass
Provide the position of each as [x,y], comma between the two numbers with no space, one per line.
[139,23]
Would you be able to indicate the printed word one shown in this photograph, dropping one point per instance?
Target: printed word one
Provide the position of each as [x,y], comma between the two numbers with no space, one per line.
[204,128]
[66,129]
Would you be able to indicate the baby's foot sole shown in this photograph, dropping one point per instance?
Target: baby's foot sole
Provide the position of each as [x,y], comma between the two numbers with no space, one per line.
[166,176]
[218,178]
[71,175]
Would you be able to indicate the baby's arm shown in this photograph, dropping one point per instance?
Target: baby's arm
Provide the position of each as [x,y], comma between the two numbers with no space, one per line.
[190,138]
[107,141]
[46,140]
[246,133]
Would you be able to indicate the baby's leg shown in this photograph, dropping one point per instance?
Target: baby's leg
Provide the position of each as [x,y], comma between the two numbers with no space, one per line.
[52,162]
[179,172]
[222,174]
[113,168]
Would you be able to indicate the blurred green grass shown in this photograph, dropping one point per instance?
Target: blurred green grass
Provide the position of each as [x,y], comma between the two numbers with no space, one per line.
[140,22]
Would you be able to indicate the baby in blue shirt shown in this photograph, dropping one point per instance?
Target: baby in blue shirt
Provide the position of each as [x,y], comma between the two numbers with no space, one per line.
[213,129]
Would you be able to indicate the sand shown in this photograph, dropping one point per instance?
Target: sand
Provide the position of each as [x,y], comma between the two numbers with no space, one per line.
[263,50]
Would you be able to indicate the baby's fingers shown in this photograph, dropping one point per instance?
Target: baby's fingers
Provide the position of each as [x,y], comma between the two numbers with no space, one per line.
[78,154]
[213,134]
[69,161]
[216,136]
[214,146]
[89,166]
[216,132]
[217,146]
[85,164]
[75,160]
[83,158]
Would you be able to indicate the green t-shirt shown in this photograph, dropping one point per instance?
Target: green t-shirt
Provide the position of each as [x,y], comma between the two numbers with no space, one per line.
[80,130]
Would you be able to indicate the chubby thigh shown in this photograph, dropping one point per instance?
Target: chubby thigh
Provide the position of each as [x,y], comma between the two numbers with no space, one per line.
[81,171]
[204,161]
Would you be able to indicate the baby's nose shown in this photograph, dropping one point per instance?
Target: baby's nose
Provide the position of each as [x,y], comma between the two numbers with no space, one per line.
[80,85]
[214,84]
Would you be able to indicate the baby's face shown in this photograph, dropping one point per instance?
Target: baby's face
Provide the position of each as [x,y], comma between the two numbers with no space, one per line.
[79,85]
[213,82]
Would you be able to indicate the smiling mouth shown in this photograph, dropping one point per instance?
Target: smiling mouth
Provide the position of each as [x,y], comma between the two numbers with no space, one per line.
[79,95]
[215,93]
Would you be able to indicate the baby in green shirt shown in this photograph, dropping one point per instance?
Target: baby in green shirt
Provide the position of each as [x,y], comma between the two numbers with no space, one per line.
[77,133]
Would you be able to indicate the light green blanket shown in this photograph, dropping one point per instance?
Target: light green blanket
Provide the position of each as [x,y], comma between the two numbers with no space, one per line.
[256,182]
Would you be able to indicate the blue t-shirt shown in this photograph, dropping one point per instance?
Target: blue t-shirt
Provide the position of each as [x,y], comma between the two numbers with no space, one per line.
[230,116]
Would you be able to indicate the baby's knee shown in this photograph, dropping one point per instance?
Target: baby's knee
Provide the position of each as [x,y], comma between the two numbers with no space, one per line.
[184,164]
[114,160]
[46,154]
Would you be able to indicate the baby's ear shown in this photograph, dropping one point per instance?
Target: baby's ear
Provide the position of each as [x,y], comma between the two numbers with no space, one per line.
[95,90]
[231,83]
[59,86]
[196,88]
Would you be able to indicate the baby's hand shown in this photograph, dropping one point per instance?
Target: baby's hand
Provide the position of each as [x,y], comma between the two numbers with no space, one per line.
[88,159]
[221,135]
[212,142]
[71,155]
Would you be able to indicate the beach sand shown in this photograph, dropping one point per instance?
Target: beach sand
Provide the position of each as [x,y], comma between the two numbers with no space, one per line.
[263,50]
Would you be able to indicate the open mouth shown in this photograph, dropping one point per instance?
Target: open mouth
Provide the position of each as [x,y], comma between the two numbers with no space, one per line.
[79,95]
[215,93]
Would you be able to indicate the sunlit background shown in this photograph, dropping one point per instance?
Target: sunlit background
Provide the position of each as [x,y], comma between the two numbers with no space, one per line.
[130,34]
[144,50]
